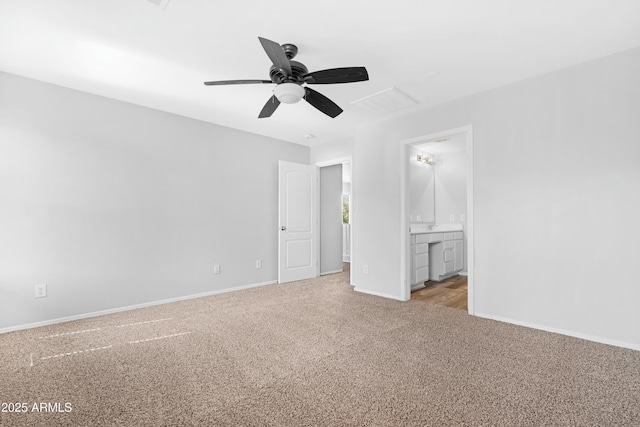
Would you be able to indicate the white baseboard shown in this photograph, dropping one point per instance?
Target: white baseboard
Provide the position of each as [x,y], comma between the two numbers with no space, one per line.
[130,307]
[378,294]
[587,337]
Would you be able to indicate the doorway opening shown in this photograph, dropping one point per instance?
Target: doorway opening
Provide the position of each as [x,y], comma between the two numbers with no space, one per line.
[336,237]
[437,214]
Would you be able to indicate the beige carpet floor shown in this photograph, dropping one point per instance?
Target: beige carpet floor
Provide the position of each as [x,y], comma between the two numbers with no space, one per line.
[310,353]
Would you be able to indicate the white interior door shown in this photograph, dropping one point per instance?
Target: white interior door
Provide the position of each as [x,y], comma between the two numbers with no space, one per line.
[298,234]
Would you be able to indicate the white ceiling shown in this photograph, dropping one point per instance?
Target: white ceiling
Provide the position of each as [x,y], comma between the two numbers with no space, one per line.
[135,51]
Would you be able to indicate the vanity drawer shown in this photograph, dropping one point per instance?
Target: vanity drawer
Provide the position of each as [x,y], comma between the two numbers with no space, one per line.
[449,236]
[422,260]
[449,245]
[435,237]
[457,235]
[421,248]
[422,238]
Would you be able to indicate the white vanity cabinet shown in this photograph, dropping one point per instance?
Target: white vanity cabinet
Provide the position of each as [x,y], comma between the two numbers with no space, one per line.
[436,256]
[419,259]
[458,254]
[447,256]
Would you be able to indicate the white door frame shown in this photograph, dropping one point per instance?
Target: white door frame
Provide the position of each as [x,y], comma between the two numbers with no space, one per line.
[338,161]
[405,241]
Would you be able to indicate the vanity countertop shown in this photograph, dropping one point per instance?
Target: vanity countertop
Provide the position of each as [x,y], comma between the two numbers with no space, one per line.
[436,228]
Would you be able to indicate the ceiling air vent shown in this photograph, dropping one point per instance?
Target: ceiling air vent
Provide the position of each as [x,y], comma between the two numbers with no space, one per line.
[386,101]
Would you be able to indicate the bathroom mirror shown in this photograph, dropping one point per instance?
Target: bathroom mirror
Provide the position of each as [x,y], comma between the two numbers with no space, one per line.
[421,187]
[439,196]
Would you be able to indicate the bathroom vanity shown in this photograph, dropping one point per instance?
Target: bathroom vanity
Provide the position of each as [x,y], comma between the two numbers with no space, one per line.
[437,252]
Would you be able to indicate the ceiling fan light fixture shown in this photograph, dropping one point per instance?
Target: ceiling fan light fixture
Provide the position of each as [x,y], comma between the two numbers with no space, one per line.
[289,93]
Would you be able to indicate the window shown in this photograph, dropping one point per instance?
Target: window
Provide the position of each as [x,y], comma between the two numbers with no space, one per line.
[345,209]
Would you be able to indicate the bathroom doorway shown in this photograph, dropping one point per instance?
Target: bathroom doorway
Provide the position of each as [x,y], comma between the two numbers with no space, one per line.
[437,206]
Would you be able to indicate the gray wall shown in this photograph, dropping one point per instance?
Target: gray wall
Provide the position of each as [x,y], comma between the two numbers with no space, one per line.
[113,205]
[330,219]
[555,174]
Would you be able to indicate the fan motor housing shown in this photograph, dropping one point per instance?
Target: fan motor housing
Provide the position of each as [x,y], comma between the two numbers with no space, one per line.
[298,70]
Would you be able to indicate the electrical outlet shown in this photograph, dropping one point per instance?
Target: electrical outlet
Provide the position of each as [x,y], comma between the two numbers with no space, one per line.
[365,269]
[463,217]
[452,217]
[41,290]
[259,263]
[419,218]
[216,269]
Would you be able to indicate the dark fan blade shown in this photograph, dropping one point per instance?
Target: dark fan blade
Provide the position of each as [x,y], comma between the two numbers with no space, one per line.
[236,82]
[337,75]
[276,55]
[269,107]
[322,103]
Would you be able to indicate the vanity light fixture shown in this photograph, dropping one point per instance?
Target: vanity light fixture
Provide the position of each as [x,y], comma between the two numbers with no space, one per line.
[425,159]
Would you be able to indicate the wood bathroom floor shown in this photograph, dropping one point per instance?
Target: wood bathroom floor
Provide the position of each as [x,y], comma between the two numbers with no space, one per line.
[449,293]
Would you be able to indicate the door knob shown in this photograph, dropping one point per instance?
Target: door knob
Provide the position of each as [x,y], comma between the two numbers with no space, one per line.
[283,228]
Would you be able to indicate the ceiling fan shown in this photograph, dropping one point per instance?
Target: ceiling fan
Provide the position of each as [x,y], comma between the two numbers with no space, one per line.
[290,76]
